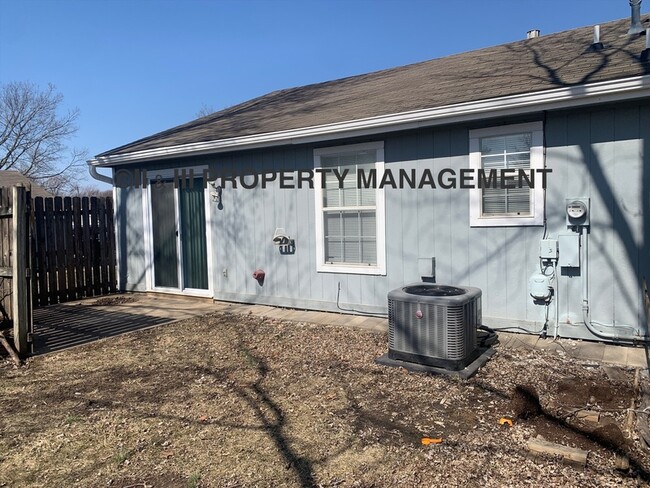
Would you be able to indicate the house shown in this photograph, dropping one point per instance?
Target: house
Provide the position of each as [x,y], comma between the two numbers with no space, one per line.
[521,169]
[9,178]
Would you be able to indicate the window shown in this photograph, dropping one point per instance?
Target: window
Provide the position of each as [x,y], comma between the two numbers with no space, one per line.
[509,188]
[349,217]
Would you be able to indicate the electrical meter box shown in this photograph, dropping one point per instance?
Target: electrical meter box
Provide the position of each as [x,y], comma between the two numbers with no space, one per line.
[577,211]
[548,249]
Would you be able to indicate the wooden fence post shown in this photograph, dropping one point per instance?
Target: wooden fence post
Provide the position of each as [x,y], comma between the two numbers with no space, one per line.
[21,300]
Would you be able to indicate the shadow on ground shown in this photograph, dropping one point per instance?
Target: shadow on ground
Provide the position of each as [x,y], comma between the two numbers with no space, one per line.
[59,327]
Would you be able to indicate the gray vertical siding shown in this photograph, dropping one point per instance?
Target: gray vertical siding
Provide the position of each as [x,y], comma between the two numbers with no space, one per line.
[601,154]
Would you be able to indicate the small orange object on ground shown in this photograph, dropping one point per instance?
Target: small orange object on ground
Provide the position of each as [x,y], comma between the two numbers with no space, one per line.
[504,421]
[428,440]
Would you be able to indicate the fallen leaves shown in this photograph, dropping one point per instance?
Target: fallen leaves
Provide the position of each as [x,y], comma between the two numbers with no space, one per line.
[273,400]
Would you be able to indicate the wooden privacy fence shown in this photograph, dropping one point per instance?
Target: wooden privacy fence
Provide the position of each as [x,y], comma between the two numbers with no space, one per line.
[52,250]
[73,249]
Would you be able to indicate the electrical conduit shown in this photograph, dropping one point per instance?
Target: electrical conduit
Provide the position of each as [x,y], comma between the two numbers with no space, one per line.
[616,330]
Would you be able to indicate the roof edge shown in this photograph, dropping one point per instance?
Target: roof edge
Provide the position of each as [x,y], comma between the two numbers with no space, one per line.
[564,97]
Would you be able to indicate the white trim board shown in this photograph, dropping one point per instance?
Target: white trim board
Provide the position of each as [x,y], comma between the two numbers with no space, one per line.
[118,236]
[565,97]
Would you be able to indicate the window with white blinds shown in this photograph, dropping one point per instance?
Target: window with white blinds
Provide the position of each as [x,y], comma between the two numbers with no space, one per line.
[349,218]
[513,148]
[500,152]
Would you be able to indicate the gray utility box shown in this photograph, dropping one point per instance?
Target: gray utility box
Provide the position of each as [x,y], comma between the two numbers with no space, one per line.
[548,249]
[434,324]
[569,251]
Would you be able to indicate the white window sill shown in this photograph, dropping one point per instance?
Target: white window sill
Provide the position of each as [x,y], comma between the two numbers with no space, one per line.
[506,221]
[351,269]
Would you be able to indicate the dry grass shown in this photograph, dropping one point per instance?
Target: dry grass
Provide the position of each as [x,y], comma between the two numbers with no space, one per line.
[229,400]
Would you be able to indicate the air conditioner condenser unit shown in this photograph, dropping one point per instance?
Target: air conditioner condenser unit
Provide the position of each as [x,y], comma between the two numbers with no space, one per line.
[434,325]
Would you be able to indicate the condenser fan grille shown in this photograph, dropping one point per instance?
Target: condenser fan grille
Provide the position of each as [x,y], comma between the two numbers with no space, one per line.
[433,290]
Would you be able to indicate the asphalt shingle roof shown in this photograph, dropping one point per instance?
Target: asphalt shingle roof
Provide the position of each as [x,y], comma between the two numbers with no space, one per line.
[550,61]
[9,178]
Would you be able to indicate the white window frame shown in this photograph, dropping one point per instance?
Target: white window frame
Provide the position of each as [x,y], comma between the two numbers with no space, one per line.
[476,219]
[380,217]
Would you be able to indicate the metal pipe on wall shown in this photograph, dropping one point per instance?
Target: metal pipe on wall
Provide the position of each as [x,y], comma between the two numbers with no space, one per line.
[586,315]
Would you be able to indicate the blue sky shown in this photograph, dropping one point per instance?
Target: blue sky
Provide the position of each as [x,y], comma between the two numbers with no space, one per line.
[136,67]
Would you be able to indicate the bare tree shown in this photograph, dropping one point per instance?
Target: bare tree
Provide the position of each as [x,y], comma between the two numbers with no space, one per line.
[33,135]
[78,190]
[205,110]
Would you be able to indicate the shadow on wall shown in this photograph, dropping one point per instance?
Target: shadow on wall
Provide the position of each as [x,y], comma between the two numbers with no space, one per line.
[636,255]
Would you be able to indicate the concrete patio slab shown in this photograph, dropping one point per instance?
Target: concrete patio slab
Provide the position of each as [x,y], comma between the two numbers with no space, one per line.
[616,356]
[620,355]
[65,325]
[637,358]
[593,351]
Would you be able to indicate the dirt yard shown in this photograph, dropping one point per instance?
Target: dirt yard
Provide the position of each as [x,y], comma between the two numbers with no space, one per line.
[232,400]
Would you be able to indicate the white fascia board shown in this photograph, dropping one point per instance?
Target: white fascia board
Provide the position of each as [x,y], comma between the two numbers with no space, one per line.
[566,97]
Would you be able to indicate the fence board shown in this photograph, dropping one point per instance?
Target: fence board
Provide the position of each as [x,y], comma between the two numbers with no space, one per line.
[103,245]
[5,254]
[50,251]
[59,237]
[21,287]
[40,255]
[94,247]
[69,250]
[31,232]
[87,252]
[78,247]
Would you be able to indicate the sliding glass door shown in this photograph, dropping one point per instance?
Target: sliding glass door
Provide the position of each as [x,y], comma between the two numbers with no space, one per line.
[164,227]
[179,243]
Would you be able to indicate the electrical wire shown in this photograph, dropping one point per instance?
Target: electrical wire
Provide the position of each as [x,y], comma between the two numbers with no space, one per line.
[544,331]
[556,294]
[370,314]
[544,264]
[544,166]
[517,328]
[487,339]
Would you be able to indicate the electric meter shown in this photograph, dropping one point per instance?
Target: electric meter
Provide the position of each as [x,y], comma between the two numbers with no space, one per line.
[577,211]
